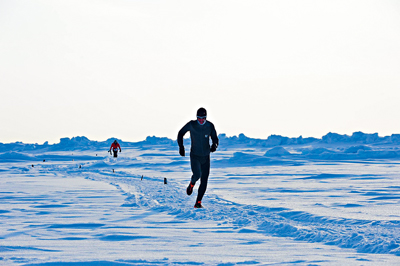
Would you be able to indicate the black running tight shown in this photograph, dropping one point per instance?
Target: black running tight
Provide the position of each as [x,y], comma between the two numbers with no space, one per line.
[201,169]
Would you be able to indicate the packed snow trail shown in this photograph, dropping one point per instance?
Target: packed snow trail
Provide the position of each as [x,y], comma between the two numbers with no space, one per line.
[365,236]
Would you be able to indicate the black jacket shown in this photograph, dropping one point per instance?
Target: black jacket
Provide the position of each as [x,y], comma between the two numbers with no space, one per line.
[200,137]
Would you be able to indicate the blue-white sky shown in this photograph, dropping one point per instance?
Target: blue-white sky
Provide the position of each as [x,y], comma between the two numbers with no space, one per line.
[129,69]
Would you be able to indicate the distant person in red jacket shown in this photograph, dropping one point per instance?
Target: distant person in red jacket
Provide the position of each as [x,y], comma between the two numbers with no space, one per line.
[114,147]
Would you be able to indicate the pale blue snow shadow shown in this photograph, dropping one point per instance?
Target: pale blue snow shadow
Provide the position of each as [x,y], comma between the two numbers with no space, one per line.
[73,238]
[14,248]
[325,176]
[116,263]
[46,206]
[76,226]
[386,198]
[348,205]
[122,237]
[12,156]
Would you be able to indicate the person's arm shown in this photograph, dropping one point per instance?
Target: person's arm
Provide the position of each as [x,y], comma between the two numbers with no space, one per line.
[215,140]
[119,146]
[182,133]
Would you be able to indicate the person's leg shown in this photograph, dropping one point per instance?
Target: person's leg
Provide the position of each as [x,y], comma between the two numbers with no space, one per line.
[116,153]
[196,168]
[205,171]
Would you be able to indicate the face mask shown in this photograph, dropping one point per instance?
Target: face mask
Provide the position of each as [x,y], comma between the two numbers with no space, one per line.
[201,120]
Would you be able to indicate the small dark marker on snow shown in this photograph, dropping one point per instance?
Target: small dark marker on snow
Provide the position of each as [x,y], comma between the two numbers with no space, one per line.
[113,170]
[141,178]
[165,180]
[44,160]
[32,165]
[80,166]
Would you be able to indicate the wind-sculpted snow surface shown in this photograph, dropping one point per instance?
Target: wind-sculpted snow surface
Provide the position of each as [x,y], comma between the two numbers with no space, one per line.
[306,202]
[16,156]
[366,236]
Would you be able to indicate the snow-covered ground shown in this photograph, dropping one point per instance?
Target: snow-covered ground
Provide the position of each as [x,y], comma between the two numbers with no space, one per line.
[280,201]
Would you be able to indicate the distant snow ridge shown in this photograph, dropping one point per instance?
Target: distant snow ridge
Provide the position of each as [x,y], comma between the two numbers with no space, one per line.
[317,151]
[355,149]
[277,151]
[271,141]
[330,138]
[352,153]
[365,236]
[158,141]
[83,143]
[16,156]
[280,156]
[357,137]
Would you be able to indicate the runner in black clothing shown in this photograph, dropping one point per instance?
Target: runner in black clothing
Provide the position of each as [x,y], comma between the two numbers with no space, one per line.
[200,133]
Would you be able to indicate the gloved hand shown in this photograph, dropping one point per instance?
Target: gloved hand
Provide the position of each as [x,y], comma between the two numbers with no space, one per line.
[213,147]
[182,151]
[120,150]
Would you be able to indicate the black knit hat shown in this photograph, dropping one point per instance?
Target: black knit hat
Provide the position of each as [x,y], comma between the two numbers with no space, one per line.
[201,112]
